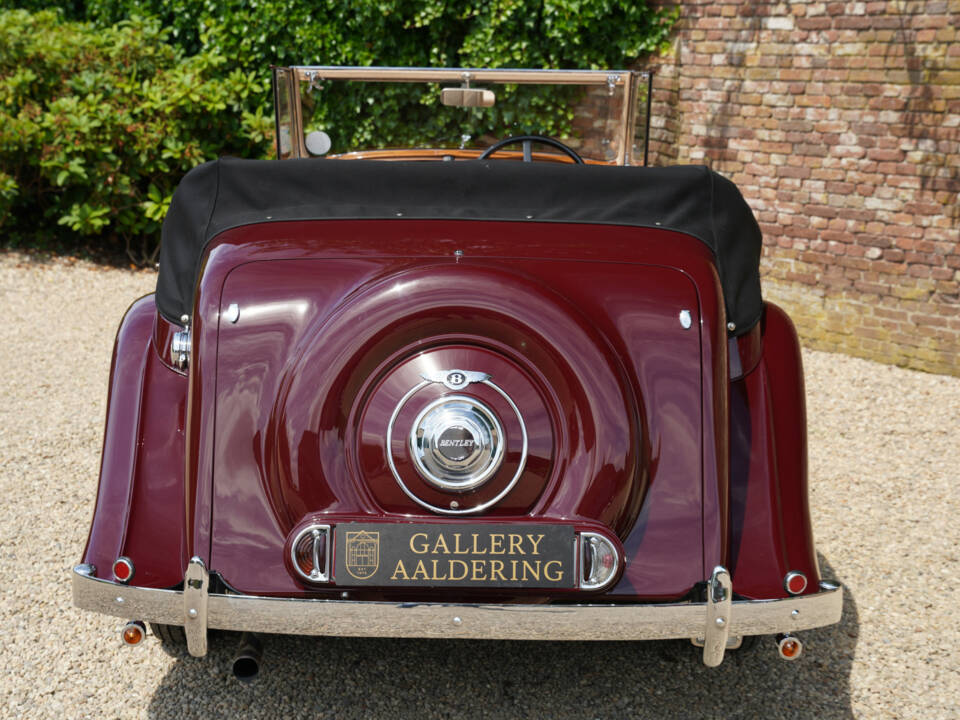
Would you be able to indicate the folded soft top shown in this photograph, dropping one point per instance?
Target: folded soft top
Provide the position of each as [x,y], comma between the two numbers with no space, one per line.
[228,193]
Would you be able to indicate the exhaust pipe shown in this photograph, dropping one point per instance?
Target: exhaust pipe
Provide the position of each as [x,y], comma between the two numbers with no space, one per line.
[246,662]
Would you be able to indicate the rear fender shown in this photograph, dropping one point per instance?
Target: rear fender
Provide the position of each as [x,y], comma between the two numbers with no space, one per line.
[770,529]
[139,512]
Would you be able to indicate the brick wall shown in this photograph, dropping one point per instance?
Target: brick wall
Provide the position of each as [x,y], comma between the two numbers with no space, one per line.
[840,122]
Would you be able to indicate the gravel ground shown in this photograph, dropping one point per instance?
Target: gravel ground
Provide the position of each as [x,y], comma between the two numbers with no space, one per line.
[885,446]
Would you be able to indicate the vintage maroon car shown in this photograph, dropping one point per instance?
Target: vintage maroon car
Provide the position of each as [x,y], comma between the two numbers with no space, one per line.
[477,392]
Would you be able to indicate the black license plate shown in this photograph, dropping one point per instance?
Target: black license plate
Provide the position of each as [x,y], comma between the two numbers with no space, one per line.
[469,555]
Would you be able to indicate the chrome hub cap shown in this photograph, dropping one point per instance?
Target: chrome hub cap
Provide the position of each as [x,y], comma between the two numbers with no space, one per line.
[457,443]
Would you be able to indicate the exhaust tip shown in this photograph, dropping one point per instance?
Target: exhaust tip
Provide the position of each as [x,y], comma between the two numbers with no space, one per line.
[789,647]
[246,669]
[246,662]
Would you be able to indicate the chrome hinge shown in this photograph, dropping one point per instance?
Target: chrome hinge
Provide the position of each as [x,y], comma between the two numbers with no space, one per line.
[181,345]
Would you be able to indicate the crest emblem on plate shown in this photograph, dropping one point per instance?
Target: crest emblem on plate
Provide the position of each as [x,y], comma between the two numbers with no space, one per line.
[362,552]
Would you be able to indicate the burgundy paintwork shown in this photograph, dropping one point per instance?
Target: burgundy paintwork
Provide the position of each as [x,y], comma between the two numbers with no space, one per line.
[770,516]
[348,260]
[286,409]
[139,509]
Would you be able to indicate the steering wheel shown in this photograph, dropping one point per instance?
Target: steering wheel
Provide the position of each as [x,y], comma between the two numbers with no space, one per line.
[527,141]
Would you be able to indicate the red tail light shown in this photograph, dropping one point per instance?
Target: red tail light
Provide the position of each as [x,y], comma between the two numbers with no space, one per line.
[123,569]
[795,582]
[309,553]
[598,561]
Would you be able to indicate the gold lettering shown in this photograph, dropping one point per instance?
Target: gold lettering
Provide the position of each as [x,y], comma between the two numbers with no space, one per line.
[437,577]
[466,569]
[441,543]
[456,546]
[496,544]
[479,567]
[424,546]
[535,543]
[556,577]
[421,572]
[496,570]
[476,550]
[400,572]
[513,564]
[516,543]
[534,569]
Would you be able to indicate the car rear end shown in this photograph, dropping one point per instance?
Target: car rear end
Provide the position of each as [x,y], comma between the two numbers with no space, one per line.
[495,403]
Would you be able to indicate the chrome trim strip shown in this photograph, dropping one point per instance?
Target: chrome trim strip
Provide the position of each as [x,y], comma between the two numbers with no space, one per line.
[349,618]
[196,588]
[308,73]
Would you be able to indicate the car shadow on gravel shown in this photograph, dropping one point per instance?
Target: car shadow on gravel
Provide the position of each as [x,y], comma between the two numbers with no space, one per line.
[372,678]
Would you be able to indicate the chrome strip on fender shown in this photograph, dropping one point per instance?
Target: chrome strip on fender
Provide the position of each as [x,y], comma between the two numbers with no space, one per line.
[299,616]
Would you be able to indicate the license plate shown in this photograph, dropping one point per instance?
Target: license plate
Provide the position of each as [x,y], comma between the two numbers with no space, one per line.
[468,555]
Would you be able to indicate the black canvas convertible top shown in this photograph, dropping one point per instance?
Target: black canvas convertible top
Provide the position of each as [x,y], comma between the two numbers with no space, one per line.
[228,193]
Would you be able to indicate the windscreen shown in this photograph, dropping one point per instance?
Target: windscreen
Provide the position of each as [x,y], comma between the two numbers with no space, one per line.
[600,120]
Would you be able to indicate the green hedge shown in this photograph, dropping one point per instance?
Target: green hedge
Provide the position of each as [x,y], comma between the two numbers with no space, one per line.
[99,121]
[97,125]
[437,33]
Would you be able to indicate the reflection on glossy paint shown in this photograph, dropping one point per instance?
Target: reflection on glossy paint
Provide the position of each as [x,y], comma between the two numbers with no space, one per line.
[574,351]
[428,365]
[272,310]
[401,288]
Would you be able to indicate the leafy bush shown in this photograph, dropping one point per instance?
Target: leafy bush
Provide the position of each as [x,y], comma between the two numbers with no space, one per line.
[98,122]
[97,125]
[431,33]
[436,33]
[71,9]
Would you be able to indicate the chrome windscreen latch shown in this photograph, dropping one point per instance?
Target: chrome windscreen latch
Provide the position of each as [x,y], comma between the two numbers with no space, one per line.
[181,344]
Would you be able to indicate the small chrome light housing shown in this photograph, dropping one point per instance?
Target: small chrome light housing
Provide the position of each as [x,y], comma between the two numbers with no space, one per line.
[123,569]
[795,582]
[599,561]
[310,553]
[789,647]
[180,347]
[133,632]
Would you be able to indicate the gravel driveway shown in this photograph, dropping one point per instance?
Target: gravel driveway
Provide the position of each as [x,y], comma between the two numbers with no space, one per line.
[885,454]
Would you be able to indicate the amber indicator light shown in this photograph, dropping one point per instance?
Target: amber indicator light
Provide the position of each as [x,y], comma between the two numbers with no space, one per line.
[790,648]
[133,632]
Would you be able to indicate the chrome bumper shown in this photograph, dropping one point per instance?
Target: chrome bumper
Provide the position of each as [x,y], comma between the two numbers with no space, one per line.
[712,621]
